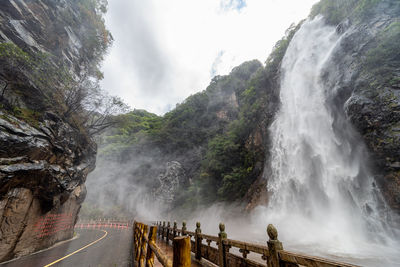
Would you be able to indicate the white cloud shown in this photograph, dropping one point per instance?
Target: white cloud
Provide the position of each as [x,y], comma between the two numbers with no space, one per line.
[165,50]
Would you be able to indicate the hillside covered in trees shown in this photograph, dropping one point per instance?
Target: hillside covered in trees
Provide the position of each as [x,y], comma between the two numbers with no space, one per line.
[220,140]
[310,135]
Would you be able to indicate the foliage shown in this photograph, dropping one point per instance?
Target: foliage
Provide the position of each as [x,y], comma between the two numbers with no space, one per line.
[188,125]
[80,101]
[132,127]
[223,119]
[228,167]
[38,68]
[384,58]
[275,58]
[333,11]
[30,116]
[16,55]
[336,11]
[192,123]
[215,123]
[100,109]
[46,82]
[96,38]
[91,212]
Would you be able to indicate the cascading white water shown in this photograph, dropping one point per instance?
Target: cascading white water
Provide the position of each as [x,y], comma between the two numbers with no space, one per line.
[322,195]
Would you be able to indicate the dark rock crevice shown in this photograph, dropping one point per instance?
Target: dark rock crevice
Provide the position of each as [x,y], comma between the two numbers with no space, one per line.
[44,156]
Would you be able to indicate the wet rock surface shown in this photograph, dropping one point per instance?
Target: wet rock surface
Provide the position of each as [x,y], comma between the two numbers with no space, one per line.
[367,95]
[44,160]
[44,26]
[171,181]
[368,99]
[47,180]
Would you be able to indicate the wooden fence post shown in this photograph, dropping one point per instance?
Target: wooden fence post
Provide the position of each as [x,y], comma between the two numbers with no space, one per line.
[175,228]
[163,230]
[221,247]
[181,248]
[274,245]
[168,227]
[139,241]
[184,228]
[150,253]
[135,238]
[140,235]
[197,241]
[143,247]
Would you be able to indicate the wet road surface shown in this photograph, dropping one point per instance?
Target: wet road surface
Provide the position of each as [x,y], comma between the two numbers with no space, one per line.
[93,248]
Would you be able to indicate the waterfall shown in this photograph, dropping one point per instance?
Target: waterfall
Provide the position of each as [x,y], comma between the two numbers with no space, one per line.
[322,194]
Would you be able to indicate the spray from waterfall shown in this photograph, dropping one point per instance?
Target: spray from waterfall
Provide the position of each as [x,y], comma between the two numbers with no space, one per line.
[322,192]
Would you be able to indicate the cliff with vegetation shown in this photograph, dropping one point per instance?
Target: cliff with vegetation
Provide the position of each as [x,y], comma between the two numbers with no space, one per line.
[49,57]
[366,89]
[218,140]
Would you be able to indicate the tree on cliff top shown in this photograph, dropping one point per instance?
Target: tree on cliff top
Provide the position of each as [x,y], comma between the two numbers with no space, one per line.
[45,81]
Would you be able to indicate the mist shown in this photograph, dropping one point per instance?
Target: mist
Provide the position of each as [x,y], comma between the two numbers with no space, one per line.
[164,52]
[322,194]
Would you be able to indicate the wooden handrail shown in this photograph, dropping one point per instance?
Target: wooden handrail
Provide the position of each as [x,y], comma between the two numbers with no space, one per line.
[251,247]
[306,260]
[190,233]
[161,256]
[272,255]
[209,237]
[145,247]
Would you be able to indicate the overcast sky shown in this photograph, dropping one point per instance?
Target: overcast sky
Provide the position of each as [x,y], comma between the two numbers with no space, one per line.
[165,51]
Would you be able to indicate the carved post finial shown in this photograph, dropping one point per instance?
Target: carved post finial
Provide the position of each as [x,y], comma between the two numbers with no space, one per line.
[197,241]
[272,232]
[274,246]
[184,228]
[222,248]
[222,231]
[168,232]
[175,233]
[198,229]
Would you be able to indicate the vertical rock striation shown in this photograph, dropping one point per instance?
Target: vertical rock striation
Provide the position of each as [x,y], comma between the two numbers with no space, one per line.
[44,158]
[363,87]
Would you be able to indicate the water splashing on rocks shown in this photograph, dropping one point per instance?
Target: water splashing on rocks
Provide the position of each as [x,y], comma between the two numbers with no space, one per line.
[322,193]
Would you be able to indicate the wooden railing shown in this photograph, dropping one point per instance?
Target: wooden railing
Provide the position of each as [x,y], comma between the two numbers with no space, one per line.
[217,249]
[145,247]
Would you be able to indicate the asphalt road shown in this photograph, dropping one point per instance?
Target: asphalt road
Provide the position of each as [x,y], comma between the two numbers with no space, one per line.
[94,248]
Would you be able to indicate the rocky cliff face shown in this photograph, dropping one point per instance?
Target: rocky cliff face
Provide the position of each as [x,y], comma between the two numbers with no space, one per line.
[171,181]
[221,136]
[365,88]
[44,158]
[61,28]
[138,152]
[42,175]
[362,85]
